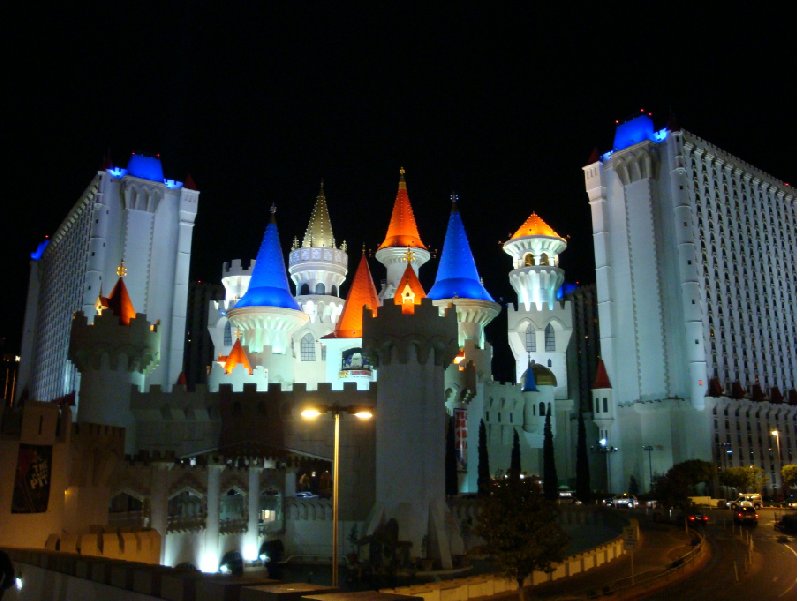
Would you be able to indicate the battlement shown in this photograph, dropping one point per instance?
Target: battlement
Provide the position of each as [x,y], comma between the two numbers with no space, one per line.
[392,334]
[84,431]
[236,267]
[108,344]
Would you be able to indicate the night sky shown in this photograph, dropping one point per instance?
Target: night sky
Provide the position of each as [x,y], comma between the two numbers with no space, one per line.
[259,101]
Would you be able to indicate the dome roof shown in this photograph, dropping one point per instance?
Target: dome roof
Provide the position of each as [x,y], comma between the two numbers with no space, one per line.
[457,276]
[145,167]
[269,286]
[544,377]
[535,226]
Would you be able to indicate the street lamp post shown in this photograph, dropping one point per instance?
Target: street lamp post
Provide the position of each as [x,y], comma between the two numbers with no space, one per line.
[312,412]
[779,478]
[606,449]
[649,448]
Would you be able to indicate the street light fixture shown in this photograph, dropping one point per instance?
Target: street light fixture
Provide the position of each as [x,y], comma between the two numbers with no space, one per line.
[606,449]
[312,412]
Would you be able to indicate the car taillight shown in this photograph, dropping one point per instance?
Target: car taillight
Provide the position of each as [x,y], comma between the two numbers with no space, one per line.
[691,518]
[739,515]
[756,516]
[705,518]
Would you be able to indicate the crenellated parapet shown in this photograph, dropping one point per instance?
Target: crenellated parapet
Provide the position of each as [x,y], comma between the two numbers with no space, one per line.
[107,344]
[236,279]
[395,336]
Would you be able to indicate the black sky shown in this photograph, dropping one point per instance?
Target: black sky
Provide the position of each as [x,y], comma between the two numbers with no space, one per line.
[260,100]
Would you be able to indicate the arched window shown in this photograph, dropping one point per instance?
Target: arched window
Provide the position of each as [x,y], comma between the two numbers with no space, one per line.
[541,409]
[528,261]
[303,289]
[549,339]
[530,339]
[227,336]
[544,259]
[307,351]
[320,288]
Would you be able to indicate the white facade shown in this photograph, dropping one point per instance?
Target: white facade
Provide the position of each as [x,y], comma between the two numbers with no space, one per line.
[696,280]
[120,217]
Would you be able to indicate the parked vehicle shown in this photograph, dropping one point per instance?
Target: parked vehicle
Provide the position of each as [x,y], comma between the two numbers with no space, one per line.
[787,524]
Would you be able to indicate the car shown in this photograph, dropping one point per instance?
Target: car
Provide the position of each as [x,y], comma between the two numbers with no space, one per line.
[787,524]
[697,519]
[304,494]
[625,500]
[745,514]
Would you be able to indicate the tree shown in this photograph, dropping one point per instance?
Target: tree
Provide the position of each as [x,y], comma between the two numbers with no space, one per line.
[484,478]
[450,461]
[549,476]
[744,478]
[633,485]
[583,489]
[515,469]
[789,475]
[674,487]
[520,529]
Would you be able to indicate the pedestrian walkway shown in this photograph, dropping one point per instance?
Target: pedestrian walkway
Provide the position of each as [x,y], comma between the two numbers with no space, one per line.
[659,547]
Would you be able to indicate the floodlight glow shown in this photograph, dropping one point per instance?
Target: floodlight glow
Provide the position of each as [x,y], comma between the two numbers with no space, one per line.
[310,413]
[603,442]
[363,414]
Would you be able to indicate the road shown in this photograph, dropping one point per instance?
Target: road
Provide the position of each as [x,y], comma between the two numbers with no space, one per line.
[746,563]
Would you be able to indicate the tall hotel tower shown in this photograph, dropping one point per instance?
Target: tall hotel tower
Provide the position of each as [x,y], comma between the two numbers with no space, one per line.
[696,289]
[133,216]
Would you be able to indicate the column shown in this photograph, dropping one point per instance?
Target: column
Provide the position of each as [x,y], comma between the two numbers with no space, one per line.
[250,546]
[210,559]
[159,500]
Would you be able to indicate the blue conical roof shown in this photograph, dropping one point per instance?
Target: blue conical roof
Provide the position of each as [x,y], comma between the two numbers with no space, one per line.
[457,275]
[529,380]
[269,286]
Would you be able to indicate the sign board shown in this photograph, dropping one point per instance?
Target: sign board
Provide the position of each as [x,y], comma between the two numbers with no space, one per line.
[629,536]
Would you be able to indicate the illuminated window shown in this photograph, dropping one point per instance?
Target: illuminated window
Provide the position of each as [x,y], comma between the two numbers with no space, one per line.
[530,339]
[307,352]
[549,339]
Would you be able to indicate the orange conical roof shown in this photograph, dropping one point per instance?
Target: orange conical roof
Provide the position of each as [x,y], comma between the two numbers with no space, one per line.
[119,301]
[409,291]
[236,357]
[362,292]
[402,228]
[601,377]
[535,226]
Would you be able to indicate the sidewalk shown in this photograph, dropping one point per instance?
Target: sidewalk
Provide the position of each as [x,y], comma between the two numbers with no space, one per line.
[659,545]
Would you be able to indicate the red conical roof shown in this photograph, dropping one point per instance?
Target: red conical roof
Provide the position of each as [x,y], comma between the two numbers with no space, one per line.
[403,227]
[236,357]
[119,301]
[362,292]
[601,377]
[409,291]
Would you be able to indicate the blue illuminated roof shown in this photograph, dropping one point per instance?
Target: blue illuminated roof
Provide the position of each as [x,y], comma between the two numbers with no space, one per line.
[37,254]
[269,286]
[457,276]
[529,379]
[637,130]
[565,289]
[145,167]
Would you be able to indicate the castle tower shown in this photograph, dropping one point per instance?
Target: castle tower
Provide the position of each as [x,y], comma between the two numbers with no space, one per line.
[604,413]
[457,283]
[114,352]
[413,347]
[318,269]
[536,277]
[401,236]
[362,294]
[267,314]
[539,327]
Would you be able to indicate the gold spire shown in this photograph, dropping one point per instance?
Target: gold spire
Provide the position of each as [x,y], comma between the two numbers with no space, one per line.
[402,178]
[319,232]
[122,271]
[410,256]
